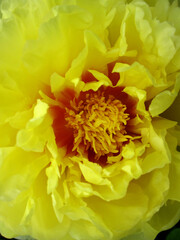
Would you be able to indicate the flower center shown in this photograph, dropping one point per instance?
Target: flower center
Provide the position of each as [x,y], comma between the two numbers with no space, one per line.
[98,123]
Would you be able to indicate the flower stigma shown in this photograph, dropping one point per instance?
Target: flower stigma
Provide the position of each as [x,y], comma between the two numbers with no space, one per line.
[98,123]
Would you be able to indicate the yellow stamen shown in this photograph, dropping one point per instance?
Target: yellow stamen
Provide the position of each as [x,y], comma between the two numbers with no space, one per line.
[98,123]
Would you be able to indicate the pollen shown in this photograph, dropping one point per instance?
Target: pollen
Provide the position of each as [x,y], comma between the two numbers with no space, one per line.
[98,123]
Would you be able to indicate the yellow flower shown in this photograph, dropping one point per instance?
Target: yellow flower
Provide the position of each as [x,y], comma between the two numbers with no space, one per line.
[84,152]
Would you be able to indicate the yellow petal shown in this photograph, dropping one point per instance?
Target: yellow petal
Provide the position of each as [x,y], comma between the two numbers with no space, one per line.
[164,99]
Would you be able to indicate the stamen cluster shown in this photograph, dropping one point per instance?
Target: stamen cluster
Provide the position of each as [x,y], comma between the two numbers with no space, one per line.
[98,123]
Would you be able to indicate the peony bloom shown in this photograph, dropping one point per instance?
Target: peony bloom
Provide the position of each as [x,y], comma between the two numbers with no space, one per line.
[85,152]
